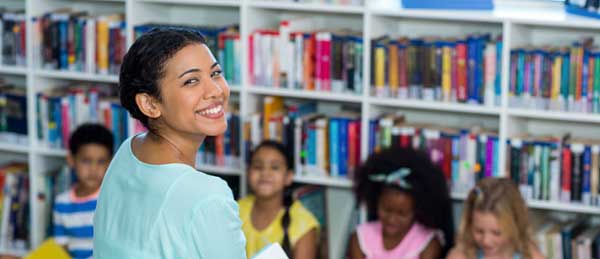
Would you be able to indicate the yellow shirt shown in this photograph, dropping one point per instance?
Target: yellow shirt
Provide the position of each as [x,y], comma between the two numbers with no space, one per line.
[302,221]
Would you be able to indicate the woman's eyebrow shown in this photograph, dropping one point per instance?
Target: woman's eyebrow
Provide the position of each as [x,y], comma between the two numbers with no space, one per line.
[214,65]
[189,71]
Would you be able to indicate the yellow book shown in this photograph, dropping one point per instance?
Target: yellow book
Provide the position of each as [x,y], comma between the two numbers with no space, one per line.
[379,69]
[102,44]
[446,73]
[49,249]
[556,78]
[393,68]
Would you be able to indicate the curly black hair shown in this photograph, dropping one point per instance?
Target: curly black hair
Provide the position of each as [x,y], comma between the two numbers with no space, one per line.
[143,65]
[433,207]
[91,133]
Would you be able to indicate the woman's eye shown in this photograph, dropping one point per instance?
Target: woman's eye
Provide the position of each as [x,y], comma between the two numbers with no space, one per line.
[191,81]
[216,73]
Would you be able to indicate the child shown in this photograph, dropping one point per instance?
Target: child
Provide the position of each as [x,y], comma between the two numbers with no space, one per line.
[90,147]
[409,196]
[270,215]
[495,223]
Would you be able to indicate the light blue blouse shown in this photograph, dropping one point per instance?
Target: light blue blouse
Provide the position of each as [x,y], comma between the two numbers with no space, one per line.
[164,211]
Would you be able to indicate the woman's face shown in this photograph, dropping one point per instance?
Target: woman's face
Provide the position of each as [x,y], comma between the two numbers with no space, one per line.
[488,234]
[194,92]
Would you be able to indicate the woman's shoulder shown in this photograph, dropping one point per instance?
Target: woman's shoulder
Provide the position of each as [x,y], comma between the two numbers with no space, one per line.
[200,186]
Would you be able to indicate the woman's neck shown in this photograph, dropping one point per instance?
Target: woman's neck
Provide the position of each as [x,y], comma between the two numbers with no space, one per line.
[166,146]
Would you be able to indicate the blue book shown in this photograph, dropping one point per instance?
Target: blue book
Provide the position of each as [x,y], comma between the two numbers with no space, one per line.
[585,74]
[372,135]
[63,61]
[334,147]
[520,72]
[586,177]
[312,145]
[498,77]
[343,143]
[496,147]
[116,123]
[471,70]
[565,75]
[16,118]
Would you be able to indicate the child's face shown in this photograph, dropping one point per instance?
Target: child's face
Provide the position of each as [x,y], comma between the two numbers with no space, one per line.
[396,212]
[194,93]
[488,234]
[90,164]
[268,174]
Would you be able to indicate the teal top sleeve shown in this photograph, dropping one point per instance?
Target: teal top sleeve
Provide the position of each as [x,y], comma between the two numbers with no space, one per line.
[217,219]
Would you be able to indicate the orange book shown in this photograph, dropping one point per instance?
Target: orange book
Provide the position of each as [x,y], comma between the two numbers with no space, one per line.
[393,67]
[220,149]
[271,106]
[309,62]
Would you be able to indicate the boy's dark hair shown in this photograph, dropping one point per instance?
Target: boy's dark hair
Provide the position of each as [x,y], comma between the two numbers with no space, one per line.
[428,188]
[287,193]
[91,133]
[143,65]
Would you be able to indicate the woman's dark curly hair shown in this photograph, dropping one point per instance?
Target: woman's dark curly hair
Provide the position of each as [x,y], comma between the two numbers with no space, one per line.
[433,207]
[143,65]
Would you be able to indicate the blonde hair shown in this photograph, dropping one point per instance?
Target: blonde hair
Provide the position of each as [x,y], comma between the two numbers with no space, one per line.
[500,197]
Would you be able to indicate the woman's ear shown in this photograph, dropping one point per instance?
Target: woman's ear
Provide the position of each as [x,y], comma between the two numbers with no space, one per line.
[148,105]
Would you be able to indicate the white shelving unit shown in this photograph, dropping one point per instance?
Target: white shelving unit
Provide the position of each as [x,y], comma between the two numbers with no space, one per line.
[517,27]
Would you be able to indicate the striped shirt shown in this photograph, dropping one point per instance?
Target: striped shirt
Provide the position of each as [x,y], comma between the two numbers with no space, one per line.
[74,223]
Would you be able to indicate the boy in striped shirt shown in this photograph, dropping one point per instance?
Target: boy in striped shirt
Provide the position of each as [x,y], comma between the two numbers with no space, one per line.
[90,152]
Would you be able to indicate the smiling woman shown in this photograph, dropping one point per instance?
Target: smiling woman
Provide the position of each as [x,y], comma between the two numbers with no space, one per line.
[153,203]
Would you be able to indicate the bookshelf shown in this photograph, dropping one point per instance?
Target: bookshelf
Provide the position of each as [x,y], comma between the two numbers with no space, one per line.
[517,27]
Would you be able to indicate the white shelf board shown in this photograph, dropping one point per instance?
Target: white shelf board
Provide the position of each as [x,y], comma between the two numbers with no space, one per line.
[77,76]
[13,70]
[473,16]
[555,115]
[325,181]
[230,3]
[435,106]
[235,88]
[317,95]
[309,7]
[52,152]
[14,148]
[550,205]
[219,170]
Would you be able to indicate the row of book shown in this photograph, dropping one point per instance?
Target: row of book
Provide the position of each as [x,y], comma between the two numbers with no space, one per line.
[466,70]
[13,114]
[562,170]
[13,31]
[223,41]
[15,211]
[61,110]
[558,79]
[76,41]
[298,56]
[573,239]
[322,145]
[223,150]
[463,155]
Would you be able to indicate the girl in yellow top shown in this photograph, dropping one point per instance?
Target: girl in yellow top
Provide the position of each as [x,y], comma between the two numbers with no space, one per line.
[270,215]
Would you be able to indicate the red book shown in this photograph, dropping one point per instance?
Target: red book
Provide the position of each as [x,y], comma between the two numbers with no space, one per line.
[326,61]
[353,145]
[461,71]
[65,120]
[566,173]
[220,149]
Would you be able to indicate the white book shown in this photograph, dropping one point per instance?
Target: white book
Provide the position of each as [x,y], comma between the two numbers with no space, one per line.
[90,45]
[272,251]
[298,145]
